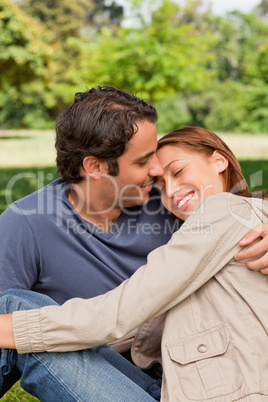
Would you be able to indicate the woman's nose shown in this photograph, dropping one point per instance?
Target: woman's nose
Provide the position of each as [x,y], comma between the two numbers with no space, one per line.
[171,187]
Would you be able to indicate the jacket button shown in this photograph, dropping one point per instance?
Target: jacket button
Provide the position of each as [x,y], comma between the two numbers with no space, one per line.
[202,348]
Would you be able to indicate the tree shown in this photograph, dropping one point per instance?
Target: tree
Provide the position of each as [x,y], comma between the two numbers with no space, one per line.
[24,53]
[262,9]
[241,38]
[102,13]
[156,59]
[62,18]
[70,19]
[25,56]
[69,23]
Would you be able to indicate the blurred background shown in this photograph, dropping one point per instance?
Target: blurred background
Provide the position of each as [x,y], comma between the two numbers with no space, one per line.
[198,62]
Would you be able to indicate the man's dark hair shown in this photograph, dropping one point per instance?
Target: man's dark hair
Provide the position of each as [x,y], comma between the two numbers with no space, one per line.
[100,122]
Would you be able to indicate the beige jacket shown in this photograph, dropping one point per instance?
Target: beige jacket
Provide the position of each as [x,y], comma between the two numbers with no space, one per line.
[215,335]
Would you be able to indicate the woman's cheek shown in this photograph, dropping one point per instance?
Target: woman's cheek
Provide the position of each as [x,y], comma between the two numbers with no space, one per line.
[165,201]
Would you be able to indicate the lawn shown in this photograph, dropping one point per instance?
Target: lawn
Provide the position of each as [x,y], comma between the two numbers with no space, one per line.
[28,163]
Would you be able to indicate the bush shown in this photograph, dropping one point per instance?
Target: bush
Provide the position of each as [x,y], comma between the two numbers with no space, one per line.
[172,114]
[230,106]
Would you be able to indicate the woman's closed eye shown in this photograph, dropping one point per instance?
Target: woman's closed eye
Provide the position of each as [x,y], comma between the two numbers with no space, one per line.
[178,172]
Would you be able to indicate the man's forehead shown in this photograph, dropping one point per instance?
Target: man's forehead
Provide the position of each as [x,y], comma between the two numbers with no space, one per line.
[142,145]
[136,152]
[144,156]
[143,139]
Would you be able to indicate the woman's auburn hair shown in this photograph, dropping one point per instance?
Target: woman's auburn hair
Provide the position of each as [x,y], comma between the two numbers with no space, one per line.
[203,141]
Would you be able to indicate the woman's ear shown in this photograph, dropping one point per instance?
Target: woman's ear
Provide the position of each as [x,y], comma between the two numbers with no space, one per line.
[220,161]
[93,167]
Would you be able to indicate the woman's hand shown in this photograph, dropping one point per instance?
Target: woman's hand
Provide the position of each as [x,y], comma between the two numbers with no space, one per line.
[261,264]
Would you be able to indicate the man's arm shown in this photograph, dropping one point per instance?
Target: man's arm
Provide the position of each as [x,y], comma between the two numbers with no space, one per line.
[261,264]
[6,332]
[19,255]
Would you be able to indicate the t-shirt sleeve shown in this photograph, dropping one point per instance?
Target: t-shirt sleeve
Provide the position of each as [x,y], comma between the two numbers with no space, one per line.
[19,257]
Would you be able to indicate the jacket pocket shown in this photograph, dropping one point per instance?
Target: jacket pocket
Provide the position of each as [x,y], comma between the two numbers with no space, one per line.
[206,365]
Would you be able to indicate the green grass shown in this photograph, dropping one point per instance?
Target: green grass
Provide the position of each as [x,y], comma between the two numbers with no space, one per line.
[27,161]
[16,393]
[23,148]
[17,182]
[255,173]
[27,164]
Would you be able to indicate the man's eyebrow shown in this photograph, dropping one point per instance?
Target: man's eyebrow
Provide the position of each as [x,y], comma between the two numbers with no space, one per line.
[144,156]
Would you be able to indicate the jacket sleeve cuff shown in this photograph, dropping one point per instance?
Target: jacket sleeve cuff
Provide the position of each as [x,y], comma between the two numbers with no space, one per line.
[27,331]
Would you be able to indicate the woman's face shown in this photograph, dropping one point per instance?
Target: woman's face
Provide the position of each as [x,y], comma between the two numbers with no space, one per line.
[188,178]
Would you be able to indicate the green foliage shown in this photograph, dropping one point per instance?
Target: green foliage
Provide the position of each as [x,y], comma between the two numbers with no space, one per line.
[262,62]
[62,18]
[29,106]
[65,18]
[24,53]
[156,60]
[25,57]
[256,109]
[172,113]
[214,69]
[230,106]
[240,47]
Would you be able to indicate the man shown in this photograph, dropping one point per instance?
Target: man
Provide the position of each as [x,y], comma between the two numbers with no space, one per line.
[84,234]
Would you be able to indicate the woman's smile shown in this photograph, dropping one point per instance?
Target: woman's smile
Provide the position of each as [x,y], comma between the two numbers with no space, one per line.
[182,202]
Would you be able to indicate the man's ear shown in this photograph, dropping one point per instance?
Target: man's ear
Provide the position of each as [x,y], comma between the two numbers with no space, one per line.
[93,167]
[220,161]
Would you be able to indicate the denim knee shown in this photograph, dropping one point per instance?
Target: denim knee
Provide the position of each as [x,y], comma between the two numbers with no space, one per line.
[19,299]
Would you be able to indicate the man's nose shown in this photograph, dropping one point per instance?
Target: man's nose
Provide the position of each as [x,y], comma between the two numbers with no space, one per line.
[155,168]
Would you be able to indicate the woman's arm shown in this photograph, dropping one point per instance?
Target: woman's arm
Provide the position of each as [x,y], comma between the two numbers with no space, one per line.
[204,245]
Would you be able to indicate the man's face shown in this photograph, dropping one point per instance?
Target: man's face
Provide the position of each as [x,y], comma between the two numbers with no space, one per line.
[138,167]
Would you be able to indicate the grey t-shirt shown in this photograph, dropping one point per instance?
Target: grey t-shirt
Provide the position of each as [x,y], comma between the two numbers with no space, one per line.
[47,247]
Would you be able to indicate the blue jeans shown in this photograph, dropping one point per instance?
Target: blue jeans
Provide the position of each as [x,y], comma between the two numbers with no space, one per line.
[97,374]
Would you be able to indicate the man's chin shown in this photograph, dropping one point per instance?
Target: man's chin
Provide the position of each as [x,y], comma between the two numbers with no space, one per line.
[135,202]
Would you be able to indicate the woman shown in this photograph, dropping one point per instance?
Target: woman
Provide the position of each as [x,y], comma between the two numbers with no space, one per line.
[213,336]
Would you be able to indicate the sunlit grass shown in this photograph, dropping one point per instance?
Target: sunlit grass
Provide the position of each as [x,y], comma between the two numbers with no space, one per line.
[19,148]
[247,146]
